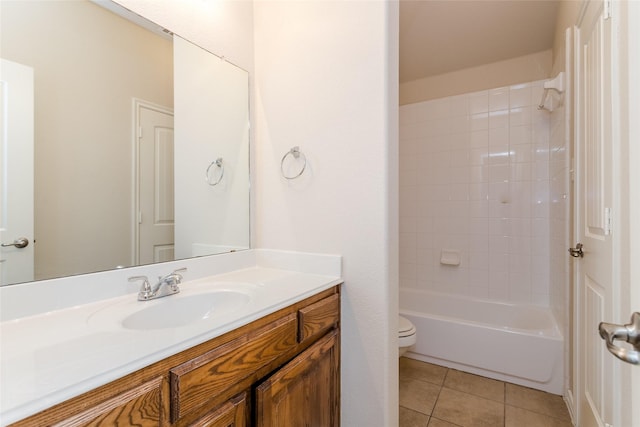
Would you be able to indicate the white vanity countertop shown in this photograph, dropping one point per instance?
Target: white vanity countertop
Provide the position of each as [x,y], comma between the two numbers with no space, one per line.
[50,357]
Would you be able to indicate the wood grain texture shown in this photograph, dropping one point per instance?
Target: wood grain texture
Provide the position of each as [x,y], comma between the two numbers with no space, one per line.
[318,317]
[139,406]
[306,391]
[233,413]
[193,383]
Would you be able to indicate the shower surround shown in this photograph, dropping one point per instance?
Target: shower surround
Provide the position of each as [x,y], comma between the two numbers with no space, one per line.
[475,178]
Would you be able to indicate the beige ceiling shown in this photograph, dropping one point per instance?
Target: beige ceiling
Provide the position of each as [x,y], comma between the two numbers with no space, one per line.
[439,36]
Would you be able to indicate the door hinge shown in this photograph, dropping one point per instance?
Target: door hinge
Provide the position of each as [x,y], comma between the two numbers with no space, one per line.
[139,217]
[607,9]
[607,221]
[139,131]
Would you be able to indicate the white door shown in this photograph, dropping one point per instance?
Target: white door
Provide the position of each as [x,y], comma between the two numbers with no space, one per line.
[16,172]
[602,291]
[155,184]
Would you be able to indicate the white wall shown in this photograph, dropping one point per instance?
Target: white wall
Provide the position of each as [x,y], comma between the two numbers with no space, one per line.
[326,80]
[83,144]
[211,122]
[475,179]
[223,27]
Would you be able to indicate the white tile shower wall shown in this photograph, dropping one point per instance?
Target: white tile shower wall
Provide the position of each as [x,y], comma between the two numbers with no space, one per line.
[474,177]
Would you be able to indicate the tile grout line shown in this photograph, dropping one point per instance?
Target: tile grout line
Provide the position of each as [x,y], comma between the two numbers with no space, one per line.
[438,397]
[504,404]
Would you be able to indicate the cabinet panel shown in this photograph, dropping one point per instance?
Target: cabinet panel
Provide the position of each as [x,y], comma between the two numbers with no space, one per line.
[233,413]
[199,380]
[305,392]
[318,317]
[140,406]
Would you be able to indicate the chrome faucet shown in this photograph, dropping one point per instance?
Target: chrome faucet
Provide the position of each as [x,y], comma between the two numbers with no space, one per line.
[167,285]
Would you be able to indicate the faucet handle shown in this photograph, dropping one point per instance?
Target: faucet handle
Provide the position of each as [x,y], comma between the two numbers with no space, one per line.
[146,286]
[136,278]
[177,274]
[172,280]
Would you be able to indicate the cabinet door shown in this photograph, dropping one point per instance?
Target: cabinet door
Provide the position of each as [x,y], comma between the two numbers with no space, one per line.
[230,414]
[306,391]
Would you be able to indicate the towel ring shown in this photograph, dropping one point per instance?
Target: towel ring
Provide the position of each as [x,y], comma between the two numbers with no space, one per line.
[218,163]
[296,153]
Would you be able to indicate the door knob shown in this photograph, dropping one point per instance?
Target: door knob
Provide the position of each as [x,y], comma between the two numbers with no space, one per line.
[630,333]
[21,242]
[577,251]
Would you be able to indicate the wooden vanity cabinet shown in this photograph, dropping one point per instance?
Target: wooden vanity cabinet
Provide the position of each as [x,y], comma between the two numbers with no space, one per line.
[305,392]
[281,370]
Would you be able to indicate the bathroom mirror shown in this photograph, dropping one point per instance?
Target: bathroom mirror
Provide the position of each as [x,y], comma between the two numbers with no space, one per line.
[140,142]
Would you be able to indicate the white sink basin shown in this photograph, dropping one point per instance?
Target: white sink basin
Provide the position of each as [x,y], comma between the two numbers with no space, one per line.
[198,304]
[174,312]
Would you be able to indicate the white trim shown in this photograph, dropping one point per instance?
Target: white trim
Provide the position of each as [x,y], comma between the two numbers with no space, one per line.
[575,182]
[633,58]
[570,402]
[630,138]
[619,197]
[569,164]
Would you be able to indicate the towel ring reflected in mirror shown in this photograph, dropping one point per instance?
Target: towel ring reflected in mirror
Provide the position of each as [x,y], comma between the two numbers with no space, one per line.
[296,154]
[210,173]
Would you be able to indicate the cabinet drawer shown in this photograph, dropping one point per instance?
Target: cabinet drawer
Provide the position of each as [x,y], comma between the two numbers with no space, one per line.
[140,406]
[318,317]
[199,380]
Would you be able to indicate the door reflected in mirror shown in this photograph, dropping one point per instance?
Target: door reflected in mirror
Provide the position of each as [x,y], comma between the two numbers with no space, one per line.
[126,122]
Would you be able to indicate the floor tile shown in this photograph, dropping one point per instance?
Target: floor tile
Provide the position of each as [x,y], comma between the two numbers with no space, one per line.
[468,410]
[518,417]
[410,418]
[410,368]
[434,422]
[537,401]
[474,384]
[418,395]
[434,396]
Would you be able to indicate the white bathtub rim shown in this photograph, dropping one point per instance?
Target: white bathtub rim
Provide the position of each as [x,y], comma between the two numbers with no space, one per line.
[473,299]
[550,333]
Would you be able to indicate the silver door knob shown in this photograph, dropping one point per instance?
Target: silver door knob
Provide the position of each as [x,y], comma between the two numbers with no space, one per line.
[21,242]
[630,333]
[577,251]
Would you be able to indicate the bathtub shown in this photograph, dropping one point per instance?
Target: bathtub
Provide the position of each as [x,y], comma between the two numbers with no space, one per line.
[520,344]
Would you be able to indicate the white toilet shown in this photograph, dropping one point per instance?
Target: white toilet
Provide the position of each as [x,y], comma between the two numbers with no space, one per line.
[406,335]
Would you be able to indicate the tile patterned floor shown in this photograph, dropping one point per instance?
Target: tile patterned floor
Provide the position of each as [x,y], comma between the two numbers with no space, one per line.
[434,396]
